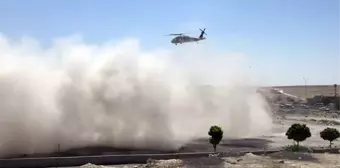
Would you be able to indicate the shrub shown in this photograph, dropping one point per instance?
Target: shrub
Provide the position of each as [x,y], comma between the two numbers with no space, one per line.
[337,103]
[216,134]
[278,98]
[290,99]
[296,148]
[330,134]
[326,100]
[298,132]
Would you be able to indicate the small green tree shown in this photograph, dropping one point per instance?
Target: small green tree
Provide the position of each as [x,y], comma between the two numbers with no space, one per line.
[330,134]
[216,135]
[298,132]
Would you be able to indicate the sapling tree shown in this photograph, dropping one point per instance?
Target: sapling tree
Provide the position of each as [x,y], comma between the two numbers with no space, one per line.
[330,134]
[216,135]
[298,133]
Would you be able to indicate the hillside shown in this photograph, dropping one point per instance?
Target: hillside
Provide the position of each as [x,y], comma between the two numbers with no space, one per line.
[299,90]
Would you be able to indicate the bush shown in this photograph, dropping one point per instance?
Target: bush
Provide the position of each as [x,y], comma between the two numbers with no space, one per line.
[216,134]
[337,103]
[326,100]
[298,132]
[296,148]
[278,98]
[290,99]
[330,134]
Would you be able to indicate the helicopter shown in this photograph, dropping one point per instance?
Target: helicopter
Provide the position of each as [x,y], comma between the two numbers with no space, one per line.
[181,38]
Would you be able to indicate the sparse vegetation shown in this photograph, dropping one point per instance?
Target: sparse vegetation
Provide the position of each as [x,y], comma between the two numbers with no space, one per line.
[326,100]
[216,135]
[295,148]
[278,99]
[289,99]
[330,134]
[337,103]
[298,132]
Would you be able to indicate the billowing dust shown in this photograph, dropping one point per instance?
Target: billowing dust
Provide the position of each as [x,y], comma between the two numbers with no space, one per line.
[116,94]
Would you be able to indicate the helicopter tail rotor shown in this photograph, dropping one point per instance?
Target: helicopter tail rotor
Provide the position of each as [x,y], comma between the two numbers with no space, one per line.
[202,33]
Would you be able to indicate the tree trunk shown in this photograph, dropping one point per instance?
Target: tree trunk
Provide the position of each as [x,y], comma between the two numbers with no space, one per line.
[298,145]
[330,144]
[214,148]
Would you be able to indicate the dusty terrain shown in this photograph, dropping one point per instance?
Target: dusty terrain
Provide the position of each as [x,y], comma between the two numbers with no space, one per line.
[276,160]
[316,120]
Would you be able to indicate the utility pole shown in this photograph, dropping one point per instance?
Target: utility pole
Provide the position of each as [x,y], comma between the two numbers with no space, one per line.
[335,90]
[58,155]
[305,79]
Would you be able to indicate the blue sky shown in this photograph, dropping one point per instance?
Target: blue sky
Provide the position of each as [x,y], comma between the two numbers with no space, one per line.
[291,39]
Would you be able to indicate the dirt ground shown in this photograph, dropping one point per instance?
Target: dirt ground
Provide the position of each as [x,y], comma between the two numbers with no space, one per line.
[316,120]
[275,160]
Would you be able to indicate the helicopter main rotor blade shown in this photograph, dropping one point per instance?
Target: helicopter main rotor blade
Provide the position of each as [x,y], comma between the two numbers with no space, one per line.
[175,34]
[203,31]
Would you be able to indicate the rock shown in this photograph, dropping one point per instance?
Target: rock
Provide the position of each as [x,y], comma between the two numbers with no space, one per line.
[230,161]
[310,150]
[281,161]
[90,165]
[214,155]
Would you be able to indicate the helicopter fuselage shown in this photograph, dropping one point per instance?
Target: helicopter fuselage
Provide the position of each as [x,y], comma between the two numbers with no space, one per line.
[185,39]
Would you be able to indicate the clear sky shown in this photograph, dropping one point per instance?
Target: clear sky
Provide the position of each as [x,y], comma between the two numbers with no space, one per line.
[287,38]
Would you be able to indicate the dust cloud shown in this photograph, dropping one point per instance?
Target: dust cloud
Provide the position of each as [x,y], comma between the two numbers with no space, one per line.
[115,94]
